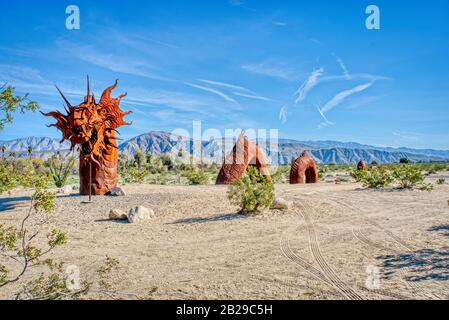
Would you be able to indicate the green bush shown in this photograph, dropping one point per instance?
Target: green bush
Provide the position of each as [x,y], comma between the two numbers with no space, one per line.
[133,175]
[162,179]
[155,165]
[251,192]
[8,178]
[60,169]
[196,177]
[281,174]
[139,159]
[408,176]
[374,177]
[167,161]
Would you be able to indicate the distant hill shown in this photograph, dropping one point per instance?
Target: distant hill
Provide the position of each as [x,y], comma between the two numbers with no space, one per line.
[159,142]
[38,144]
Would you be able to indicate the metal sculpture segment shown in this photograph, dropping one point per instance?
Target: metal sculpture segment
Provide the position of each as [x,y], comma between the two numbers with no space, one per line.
[244,154]
[92,127]
[361,165]
[303,170]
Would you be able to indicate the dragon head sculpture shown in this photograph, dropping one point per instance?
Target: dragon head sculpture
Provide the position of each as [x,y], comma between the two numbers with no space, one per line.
[92,126]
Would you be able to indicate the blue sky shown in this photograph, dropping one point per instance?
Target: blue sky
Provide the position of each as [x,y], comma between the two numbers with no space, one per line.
[308,68]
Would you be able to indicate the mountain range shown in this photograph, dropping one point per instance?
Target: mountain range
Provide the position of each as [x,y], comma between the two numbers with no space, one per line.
[159,142]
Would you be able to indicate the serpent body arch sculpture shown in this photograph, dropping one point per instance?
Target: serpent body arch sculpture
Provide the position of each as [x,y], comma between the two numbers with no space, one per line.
[361,165]
[244,154]
[303,170]
[92,127]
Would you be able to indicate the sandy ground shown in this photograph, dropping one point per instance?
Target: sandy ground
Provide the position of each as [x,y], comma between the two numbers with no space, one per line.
[336,241]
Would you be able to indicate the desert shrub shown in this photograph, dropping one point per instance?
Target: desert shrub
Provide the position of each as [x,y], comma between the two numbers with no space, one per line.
[404,161]
[160,178]
[251,192]
[185,167]
[322,170]
[122,161]
[212,170]
[155,165]
[441,181]
[139,159]
[52,281]
[432,168]
[167,161]
[374,177]
[133,174]
[407,176]
[17,243]
[281,174]
[8,177]
[196,177]
[60,169]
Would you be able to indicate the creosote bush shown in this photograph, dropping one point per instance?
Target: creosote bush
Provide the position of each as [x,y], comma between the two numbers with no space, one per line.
[196,177]
[407,176]
[252,191]
[133,174]
[374,177]
[403,176]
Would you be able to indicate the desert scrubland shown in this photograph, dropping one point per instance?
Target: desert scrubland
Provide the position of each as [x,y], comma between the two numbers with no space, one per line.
[337,240]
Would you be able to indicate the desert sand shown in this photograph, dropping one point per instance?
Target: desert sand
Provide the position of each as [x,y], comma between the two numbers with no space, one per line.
[330,243]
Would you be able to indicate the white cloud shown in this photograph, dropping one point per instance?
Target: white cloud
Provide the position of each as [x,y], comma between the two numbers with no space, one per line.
[343,68]
[116,63]
[30,80]
[271,70]
[408,136]
[283,114]
[336,100]
[354,76]
[280,23]
[251,96]
[308,85]
[226,85]
[326,122]
[240,3]
[216,92]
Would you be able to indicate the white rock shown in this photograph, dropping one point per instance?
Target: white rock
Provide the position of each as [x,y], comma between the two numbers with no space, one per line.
[280,204]
[65,190]
[139,214]
[117,214]
[118,192]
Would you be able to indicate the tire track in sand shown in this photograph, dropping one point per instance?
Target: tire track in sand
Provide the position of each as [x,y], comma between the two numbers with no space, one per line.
[358,234]
[416,287]
[326,275]
[330,274]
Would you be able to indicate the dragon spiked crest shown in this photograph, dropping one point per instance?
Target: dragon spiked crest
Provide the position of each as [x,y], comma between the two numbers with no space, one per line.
[92,127]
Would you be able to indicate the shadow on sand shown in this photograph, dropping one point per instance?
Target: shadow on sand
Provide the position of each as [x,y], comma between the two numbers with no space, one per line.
[219,217]
[12,203]
[444,228]
[7,204]
[423,264]
[113,221]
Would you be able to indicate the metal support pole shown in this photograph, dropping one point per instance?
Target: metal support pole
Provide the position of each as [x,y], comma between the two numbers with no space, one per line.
[90,181]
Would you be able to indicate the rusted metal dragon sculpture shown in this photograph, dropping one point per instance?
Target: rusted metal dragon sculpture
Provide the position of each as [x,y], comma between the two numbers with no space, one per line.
[92,127]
